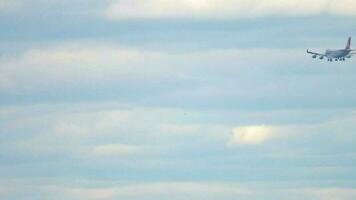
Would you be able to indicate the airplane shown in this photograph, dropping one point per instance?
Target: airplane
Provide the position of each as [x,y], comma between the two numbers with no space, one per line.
[337,55]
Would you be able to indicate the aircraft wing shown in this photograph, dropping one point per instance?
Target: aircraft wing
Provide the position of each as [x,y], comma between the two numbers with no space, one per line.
[314,53]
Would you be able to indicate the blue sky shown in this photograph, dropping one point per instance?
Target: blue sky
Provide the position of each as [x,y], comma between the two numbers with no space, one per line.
[163,99]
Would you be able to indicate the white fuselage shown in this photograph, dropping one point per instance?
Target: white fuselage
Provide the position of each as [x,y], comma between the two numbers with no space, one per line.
[337,53]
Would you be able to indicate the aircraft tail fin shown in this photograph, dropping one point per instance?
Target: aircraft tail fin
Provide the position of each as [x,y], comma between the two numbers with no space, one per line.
[348,45]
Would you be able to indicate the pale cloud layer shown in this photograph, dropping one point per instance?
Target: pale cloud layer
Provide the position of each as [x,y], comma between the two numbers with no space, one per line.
[251,135]
[176,191]
[70,64]
[108,130]
[8,6]
[156,99]
[217,9]
[120,150]
[81,64]
[261,134]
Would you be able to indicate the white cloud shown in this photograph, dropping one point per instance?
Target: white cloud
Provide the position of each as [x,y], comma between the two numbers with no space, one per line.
[91,130]
[5,190]
[160,190]
[156,190]
[70,64]
[8,5]
[340,129]
[76,64]
[175,129]
[131,9]
[179,190]
[332,193]
[251,135]
[90,123]
[135,190]
[119,150]
[73,65]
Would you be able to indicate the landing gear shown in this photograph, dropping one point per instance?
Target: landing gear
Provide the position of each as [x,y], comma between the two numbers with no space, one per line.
[336,59]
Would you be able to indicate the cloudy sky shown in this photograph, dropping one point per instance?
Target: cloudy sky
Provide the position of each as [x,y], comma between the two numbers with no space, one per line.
[181,100]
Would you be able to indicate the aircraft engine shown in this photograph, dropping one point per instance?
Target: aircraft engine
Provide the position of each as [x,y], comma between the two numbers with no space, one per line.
[314,56]
[321,57]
